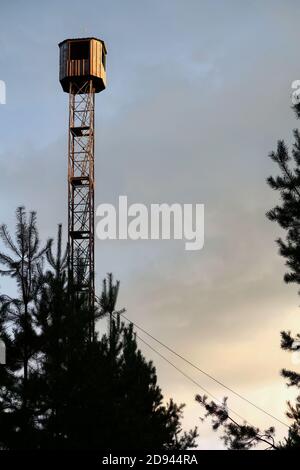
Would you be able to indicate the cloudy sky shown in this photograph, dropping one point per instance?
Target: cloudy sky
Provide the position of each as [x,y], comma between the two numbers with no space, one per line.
[198,94]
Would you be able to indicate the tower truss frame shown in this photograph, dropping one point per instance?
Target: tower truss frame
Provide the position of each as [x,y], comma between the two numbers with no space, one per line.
[81,183]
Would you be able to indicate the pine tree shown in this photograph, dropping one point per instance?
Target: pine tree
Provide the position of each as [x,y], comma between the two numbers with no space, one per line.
[109,397]
[73,393]
[287,215]
[24,265]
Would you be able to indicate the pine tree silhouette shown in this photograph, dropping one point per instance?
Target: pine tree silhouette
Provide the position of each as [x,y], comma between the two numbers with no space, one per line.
[287,215]
[73,393]
[24,265]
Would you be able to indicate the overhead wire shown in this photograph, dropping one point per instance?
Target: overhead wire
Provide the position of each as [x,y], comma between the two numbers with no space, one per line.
[205,373]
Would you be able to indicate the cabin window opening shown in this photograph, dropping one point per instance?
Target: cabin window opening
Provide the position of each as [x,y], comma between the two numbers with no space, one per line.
[103,58]
[79,50]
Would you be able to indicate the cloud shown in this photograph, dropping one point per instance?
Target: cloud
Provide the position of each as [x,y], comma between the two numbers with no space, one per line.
[190,114]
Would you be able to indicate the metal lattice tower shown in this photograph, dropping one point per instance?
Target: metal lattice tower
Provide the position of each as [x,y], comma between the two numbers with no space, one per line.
[81,190]
[82,74]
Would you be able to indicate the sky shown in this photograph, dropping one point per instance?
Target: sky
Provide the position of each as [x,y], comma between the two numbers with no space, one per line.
[198,93]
